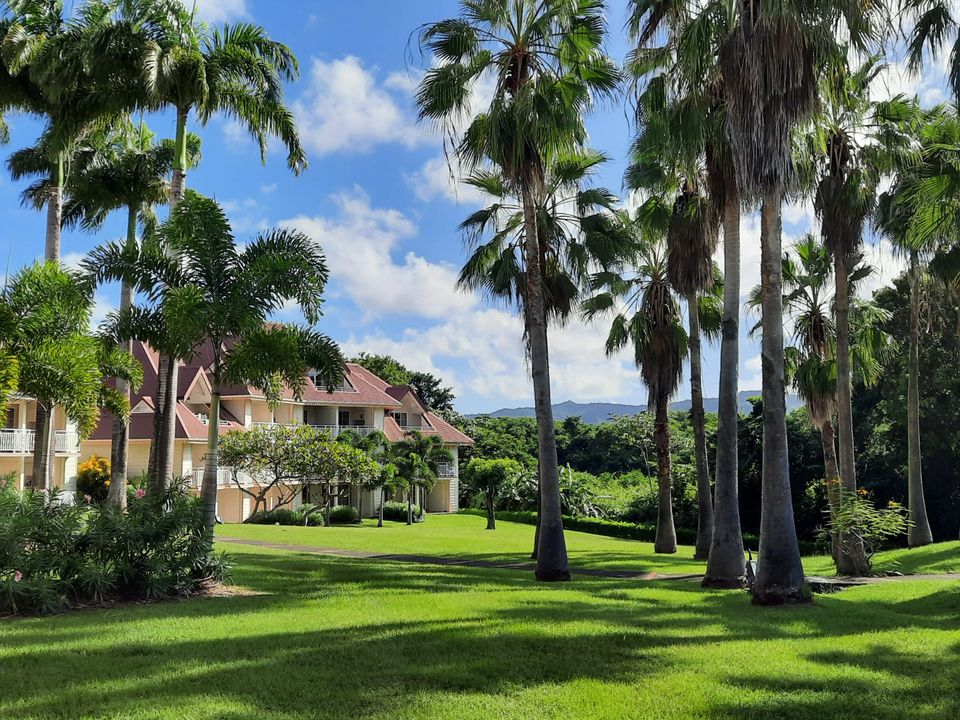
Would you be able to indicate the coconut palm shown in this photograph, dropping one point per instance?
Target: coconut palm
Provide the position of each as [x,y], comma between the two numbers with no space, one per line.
[920,213]
[769,66]
[547,64]
[221,296]
[234,70]
[647,318]
[681,118]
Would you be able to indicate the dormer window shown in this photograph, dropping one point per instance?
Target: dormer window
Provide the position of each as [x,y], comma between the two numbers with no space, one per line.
[344,385]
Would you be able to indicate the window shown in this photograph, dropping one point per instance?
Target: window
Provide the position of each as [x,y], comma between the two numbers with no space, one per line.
[401,418]
[343,418]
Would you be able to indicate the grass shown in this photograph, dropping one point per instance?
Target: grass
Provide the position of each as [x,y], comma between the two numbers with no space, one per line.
[327,637]
[464,536]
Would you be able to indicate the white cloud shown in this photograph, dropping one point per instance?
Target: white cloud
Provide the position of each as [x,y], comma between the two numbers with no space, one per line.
[887,264]
[101,308]
[268,189]
[219,11]
[361,243]
[440,177]
[246,216]
[345,109]
[71,261]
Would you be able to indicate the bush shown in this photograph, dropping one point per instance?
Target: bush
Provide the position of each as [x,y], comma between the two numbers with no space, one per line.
[93,479]
[397,511]
[343,514]
[54,555]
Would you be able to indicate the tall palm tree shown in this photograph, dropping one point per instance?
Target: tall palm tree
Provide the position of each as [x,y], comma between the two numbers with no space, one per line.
[418,458]
[769,65]
[376,446]
[234,70]
[221,296]
[681,117]
[648,319]
[547,63]
[127,172]
[575,232]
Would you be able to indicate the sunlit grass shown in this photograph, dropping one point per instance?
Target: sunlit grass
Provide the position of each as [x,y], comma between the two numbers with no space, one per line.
[327,637]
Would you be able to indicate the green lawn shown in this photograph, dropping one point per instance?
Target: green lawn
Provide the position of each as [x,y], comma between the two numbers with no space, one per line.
[465,536]
[327,637]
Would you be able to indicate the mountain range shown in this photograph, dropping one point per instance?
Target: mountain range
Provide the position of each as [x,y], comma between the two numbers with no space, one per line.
[600,412]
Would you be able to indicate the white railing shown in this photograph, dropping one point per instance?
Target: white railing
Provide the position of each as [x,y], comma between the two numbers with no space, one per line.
[446,470]
[21,442]
[224,478]
[332,430]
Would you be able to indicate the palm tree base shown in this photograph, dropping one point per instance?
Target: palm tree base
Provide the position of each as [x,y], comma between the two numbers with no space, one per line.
[723,583]
[552,575]
[665,549]
[777,595]
[701,554]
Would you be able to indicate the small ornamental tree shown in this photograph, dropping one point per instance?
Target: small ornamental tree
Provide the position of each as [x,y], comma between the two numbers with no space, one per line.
[856,516]
[278,458]
[487,477]
[93,479]
[334,468]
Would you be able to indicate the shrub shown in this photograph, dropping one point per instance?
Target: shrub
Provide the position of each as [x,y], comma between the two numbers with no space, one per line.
[343,514]
[858,517]
[398,511]
[307,514]
[55,555]
[93,479]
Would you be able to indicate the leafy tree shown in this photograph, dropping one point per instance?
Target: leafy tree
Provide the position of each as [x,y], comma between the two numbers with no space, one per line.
[488,477]
[219,296]
[548,65]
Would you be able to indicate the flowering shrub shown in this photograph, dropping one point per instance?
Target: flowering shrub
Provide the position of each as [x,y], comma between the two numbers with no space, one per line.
[858,517]
[55,555]
[93,479]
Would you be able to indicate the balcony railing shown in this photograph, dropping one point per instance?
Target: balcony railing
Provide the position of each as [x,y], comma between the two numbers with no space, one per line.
[224,478]
[16,441]
[446,470]
[333,430]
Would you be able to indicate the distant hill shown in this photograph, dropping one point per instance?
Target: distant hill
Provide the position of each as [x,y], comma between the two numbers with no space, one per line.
[599,412]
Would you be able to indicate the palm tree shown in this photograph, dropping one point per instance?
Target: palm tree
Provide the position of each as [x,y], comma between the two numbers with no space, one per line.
[930,24]
[769,65]
[548,64]
[375,445]
[221,297]
[648,319]
[235,70]
[384,483]
[418,457]
[45,312]
[681,118]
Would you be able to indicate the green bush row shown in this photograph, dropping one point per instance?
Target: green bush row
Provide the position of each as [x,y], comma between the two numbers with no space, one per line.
[624,530]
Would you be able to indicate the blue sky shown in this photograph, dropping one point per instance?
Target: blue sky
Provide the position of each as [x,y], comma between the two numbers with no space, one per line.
[378,199]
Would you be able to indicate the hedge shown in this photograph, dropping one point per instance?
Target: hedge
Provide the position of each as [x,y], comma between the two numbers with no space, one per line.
[624,530]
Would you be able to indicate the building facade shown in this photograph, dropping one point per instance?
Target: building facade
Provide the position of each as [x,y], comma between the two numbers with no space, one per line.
[363,403]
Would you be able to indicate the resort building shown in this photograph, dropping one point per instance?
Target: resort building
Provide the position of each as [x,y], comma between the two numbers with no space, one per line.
[363,403]
[18,438]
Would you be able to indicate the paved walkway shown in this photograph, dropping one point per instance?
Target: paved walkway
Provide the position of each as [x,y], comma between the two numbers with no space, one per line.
[836,582]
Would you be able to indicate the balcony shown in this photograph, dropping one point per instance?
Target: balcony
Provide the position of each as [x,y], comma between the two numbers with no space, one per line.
[332,430]
[446,470]
[224,478]
[14,441]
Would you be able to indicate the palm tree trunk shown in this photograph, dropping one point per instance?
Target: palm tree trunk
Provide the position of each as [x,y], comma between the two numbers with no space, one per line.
[165,422]
[120,438]
[380,511]
[725,567]
[42,440]
[852,558]
[211,466]
[491,510]
[832,476]
[704,494]
[410,506]
[919,531]
[536,530]
[552,547]
[779,571]
[666,538]
[54,212]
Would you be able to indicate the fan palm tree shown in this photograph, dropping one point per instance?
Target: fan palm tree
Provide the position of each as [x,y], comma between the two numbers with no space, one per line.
[681,119]
[769,65]
[930,25]
[418,458]
[221,297]
[234,70]
[647,318]
[548,64]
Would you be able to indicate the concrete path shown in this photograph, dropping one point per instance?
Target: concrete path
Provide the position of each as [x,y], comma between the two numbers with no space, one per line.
[825,582]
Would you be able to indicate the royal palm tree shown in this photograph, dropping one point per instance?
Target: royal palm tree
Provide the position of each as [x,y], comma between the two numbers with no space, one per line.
[234,70]
[647,318]
[681,118]
[548,64]
[221,296]
[769,65]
